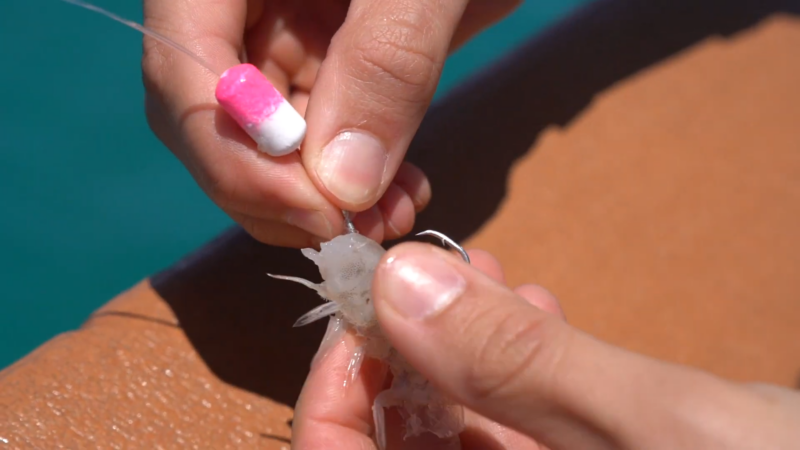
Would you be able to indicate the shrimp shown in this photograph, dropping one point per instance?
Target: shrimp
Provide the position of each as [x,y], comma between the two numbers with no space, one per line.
[347,264]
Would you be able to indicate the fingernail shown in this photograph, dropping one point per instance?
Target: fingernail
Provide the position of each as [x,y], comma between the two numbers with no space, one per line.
[420,286]
[352,167]
[312,221]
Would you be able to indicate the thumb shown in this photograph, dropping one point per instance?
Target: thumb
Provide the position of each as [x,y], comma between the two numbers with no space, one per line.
[511,362]
[371,93]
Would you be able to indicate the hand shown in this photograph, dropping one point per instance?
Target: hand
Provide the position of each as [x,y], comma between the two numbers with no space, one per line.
[511,358]
[373,66]
[330,416]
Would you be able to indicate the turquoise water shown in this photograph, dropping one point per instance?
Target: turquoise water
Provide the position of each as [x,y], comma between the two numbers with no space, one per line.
[91,201]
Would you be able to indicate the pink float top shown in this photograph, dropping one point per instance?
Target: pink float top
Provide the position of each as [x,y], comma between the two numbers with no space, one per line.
[246,94]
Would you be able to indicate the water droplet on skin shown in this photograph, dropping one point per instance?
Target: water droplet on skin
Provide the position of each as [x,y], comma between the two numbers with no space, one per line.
[168,373]
[3,440]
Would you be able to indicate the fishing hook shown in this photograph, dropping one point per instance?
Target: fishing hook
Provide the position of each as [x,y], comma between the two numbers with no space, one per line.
[447,242]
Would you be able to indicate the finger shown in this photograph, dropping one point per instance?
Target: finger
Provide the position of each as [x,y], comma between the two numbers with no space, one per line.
[527,369]
[273,48]
[277,76]
[299,102]
[371,93]
[304,79]
[272,232]
[210,29]
[488,264]
[370,224]
[329,416]
[787,398]
[541,298]
[398,213]
[481,433]
[411,179]
[219,154]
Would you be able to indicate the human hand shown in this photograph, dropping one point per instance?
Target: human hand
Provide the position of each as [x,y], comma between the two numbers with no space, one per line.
[373,66]
[514,362]
[330,416]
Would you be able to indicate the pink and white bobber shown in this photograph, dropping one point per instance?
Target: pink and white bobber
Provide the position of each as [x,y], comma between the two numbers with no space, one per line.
[254,103]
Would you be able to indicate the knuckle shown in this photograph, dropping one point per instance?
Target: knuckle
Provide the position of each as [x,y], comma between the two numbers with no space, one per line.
[405,227]
[506,354]
[399,50]
[154,65]
[391,57]
[155,61]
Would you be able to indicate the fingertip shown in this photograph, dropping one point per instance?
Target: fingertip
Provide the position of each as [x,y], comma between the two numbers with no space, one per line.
[353,169]
[276,76]
[370,224]
[398,212]
[413,180]
[488,264]
[541,298]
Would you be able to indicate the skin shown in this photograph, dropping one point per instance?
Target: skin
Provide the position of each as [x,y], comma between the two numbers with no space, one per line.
[363,66]
[529,379]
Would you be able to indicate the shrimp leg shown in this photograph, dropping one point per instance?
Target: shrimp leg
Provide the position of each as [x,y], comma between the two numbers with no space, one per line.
[385,399]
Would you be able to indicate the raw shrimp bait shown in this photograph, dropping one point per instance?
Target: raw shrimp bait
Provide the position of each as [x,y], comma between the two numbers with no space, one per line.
[245,94]
[347,264]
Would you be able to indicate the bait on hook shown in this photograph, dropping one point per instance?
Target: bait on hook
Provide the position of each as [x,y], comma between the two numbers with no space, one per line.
[347,265]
